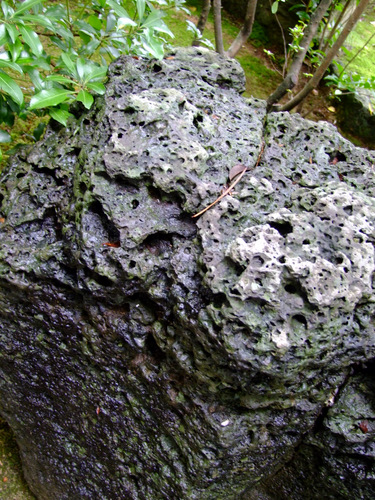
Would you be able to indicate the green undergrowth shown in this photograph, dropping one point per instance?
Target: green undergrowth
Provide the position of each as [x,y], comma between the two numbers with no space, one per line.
[12,483]
[364,62]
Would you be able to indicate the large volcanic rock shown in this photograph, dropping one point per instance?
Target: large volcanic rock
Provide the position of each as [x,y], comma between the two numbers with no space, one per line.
[145,354]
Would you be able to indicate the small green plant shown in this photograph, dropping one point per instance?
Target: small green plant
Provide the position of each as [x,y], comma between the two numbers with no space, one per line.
[53,54]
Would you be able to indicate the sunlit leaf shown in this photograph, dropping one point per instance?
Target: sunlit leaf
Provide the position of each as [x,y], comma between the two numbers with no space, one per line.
[10,65]
[60,115]
[9,86]
[12,32]
[59,79]
[275,7]
[153,20]
[32,40]
[85,98]
[97,87]
[28,4]
[4,136]
[49,97]
[69,63]
[120,11]
[124,21]
[141,5]
[95,22]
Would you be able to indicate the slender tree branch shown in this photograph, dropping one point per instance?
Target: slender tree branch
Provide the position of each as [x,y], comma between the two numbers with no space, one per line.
[336,25]
[245,31]
[357,53]
[291,78]
[202,20]
[319,73]
[218,31]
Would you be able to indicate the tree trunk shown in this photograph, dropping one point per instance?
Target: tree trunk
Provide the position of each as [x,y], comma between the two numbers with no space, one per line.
[319,73]
[218,31]
[245,31]
[336,25]
[202,19]
[291,78]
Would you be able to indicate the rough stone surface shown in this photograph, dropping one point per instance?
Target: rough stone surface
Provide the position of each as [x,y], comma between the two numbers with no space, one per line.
[148,355]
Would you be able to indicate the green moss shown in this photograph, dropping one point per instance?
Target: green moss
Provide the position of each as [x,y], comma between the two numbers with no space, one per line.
[12,483]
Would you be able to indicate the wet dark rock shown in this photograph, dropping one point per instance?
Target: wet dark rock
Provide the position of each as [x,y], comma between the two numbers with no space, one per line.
[147,355]
[355,116]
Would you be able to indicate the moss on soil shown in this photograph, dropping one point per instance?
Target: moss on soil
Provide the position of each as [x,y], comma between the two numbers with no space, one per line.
[12,482]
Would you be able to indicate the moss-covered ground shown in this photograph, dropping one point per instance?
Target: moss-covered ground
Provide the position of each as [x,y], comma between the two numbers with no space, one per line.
[12,483]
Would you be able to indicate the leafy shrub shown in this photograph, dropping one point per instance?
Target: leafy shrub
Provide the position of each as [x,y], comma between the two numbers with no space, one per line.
[52,54]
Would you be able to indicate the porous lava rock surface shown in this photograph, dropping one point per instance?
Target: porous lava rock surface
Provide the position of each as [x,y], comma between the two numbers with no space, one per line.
[146,354]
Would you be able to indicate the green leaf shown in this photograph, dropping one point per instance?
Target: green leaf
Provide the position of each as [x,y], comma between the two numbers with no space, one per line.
[59,43]
[59,79]
[124,21]
[4,136]
[94,72]
[32,40]
[49,97]
[43,21]
[2,34]
[38,131]
[12,32]
[86,99]
[10,65]
[81,68]
[28,4]
[111,22]
[9,86]
[97,87]
[274,7]
[153,19]
[35,77]
[154,48]
[69,64]
[95,22]
[15,49]
[60,115]
[90,47]
[163,28]
[141,5]
[120,11]
[7,10]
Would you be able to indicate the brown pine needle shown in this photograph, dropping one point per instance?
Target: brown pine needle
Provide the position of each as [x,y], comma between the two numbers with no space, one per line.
[229,189]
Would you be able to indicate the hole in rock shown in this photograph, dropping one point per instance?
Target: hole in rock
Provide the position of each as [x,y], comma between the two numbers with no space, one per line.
[290,288]
[197,119]
[99,278]
[283,228]
[219,299]
[257,261]
[135,204]
[156,68]
[159,242]
[300,318]
[153,348]
[130,110]
[109,227]
[336,156]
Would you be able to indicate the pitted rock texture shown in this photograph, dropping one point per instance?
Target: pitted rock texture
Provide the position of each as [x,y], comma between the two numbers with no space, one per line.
[145,354]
